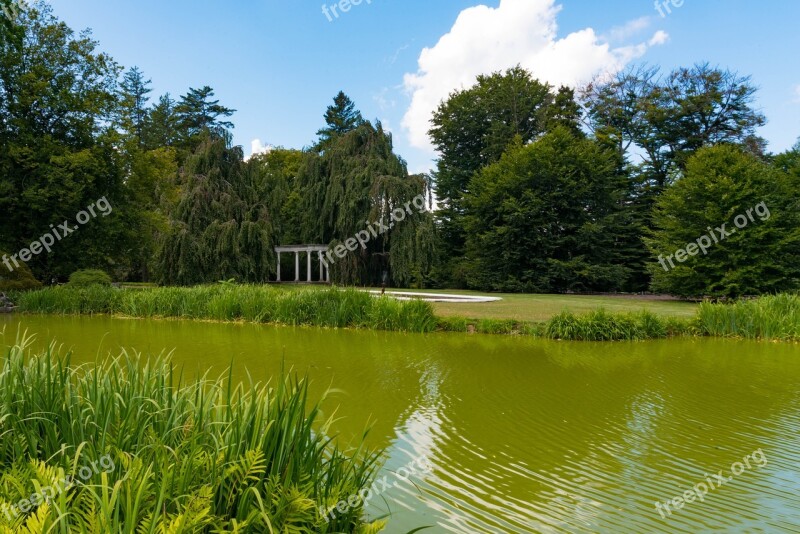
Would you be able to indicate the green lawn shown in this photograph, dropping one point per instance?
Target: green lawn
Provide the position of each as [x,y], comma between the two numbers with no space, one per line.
[542,307]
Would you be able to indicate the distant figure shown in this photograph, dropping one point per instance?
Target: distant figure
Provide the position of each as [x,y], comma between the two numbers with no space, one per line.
[384,279]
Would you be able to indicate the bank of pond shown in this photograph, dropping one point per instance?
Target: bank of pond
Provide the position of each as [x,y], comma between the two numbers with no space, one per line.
[773,317]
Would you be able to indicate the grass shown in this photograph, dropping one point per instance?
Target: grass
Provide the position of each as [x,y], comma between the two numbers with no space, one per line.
[149,452]
[772,317]
[539,308]
[554,316]
[329,307]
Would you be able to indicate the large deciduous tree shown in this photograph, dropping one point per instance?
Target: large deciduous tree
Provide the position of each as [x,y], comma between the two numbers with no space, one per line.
[471,130]
[759,254]
[547,218]
[666,118]
[58,149]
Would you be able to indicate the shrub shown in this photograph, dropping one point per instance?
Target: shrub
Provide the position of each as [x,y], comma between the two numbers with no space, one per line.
[89,277]
[19,278]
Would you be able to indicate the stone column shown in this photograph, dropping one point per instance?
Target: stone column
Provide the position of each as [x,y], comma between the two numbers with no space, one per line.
[308,259]
[279,267]
[296,266]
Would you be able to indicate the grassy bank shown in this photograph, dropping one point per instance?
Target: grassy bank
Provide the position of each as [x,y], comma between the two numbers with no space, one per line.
[328,307]
[775,318]
[771,317]
[529,308]
[126,446]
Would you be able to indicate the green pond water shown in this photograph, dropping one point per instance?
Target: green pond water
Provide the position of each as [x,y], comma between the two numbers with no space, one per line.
[523,435]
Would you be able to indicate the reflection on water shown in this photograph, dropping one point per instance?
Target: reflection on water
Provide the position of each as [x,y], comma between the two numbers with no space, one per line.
[524,435]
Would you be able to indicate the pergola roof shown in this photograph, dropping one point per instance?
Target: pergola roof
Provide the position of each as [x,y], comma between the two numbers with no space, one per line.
[302,248]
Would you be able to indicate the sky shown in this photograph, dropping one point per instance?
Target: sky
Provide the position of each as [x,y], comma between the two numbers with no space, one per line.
[280,63]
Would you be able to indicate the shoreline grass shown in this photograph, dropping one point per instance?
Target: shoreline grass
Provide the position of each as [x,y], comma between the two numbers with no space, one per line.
[769,318]
[330,307]
[178,456]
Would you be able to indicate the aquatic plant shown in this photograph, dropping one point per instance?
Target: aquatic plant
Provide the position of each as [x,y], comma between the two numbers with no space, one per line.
[771,317]
[332,307]
[601,325]
[205,455]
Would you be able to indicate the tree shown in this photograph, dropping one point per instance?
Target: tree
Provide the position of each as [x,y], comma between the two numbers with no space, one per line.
[18,278]
[198,115]
[668,118]
[221,228]
[471,130]
[758,251]
[133,99]
[161,124]
[277,183]
[546,218]
[58,153]
[342,117]
[358,180]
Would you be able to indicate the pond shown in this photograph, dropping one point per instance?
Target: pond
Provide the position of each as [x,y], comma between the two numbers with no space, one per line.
[524,435]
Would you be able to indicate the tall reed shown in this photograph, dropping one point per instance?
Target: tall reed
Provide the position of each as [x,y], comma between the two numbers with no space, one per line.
[775,317]
[205,455]
[603,326]
[335,308]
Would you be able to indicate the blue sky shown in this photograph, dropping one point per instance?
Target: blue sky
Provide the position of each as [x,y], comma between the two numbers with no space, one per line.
[279,63]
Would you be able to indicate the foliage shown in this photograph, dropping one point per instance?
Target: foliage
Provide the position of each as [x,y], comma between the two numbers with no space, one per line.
[151,452]
[544,218]
[357,180]
[769,317]
[333,308]
[89,277]
[340,118]
[18,278]
[672,116]
[721,183]
[57,146]
[197,115]
[221,228]
[472,129]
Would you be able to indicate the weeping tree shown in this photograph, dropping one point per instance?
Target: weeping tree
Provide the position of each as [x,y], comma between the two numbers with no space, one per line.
[220,229]
[355,181]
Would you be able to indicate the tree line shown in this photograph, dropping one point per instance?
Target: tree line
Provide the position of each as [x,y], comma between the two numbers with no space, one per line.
[536,188]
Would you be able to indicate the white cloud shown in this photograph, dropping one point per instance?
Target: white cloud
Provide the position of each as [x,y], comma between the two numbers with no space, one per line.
[659,38]
[629,29]
[257,148]
[485,40]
